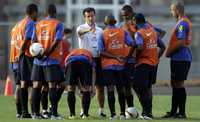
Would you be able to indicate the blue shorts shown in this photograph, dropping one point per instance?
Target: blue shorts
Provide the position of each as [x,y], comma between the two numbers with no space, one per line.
[113,77]
[179,70]
[25,68]
[145,75]
[50,73]
[78,73]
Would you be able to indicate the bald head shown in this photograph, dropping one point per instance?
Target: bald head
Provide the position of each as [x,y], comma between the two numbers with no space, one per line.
[177,9]
[180,7]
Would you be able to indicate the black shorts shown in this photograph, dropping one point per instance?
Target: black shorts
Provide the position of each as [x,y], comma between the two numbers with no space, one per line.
[145,75]
[98,72]
[129,73]
[78,72]
[50,73]
[16,77]
[25,68]
[113,77]
[179,70]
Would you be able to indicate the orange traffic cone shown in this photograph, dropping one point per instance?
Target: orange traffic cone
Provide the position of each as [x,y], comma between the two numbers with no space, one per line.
[8,87]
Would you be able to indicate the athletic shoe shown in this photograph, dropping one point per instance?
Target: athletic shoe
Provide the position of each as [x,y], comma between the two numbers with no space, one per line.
[71,117]
[81,114]
[169,115]
[26,115]
[56,117]
[102,115]
[85,116]
[122,117]
[181,116]
[18,116]
[113,117]
[45,114]
[37,116]
[146,117]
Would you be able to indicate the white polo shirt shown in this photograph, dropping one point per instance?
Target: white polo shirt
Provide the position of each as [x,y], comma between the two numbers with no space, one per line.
[89,40]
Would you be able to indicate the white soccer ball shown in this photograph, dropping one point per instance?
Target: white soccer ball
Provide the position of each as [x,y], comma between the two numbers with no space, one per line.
[131,113]
[36,49]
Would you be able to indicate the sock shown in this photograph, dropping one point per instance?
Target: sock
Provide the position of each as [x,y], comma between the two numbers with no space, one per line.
[53,100]
[18,103]
[86,102]
[129,96]
[101,110]
[121,99]
[129,101]
[44,100]
[59,93]
[151,100]
[36,96]
[145,101]
[174,101]
[71,99]
[111,102]
[24,100]
[182,101]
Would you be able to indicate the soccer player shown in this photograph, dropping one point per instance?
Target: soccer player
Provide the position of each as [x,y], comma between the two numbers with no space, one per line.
[46,67]
[147,58]
[14,52]
[181,57]
[127,24]
[79,73]
[65,47]
[112,46]
[87,37]
[25,32]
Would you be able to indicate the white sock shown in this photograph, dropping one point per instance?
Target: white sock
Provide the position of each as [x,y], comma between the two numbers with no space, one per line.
[81,111]
[101,110]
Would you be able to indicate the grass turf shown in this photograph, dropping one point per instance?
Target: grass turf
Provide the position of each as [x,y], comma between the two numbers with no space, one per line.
[161,104]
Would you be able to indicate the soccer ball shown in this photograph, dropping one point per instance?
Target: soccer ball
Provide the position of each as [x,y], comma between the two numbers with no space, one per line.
[131,113]
[36,49]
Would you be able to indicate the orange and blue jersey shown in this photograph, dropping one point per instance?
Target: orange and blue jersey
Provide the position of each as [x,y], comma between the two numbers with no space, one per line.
[14,47]
[182,32]
[105,43]
[132,30]
[20,33]
[46,32]
[147,38]
[79,55]
[24,32]
[157,29]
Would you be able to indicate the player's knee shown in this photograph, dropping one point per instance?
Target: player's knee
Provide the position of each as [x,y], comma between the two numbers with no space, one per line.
[85,88]
[70,88]
[52,85]
[23,84]
[37,84]
[177,84]
[45,88]
[110,88]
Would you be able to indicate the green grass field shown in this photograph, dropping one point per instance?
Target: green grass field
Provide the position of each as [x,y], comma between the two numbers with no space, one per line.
[161,105]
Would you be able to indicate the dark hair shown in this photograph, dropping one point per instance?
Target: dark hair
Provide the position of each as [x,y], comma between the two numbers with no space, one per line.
[31,8]
[127,8]
[67,30]
[110,20]
[51,10]
[139,18]
[89,9]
